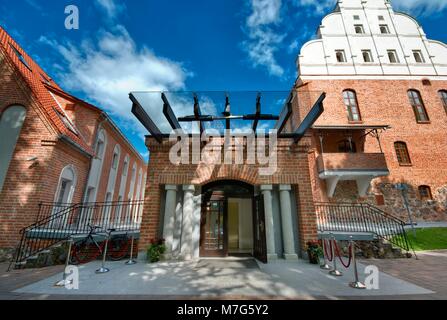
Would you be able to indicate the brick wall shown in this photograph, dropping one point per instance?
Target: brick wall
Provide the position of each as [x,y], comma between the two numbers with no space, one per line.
[292,169]
[385,102]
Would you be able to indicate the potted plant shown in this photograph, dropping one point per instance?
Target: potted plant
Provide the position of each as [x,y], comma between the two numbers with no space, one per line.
[155,250]
[314,252]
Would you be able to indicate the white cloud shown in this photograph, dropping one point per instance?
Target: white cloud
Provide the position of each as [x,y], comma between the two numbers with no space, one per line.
[107,71]
[111,7]
[422,7]
[317,6]
[418,7]
[263,41]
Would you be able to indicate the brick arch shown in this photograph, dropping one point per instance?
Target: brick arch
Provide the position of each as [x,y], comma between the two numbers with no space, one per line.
[243,173]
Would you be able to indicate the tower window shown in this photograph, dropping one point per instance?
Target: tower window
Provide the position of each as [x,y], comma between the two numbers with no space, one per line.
[359,29]
[384,29]
[392,56]
[418,106]
[425,193]
[418,57]
[350,100]
[356,17]
[367,56]
[340,55]
[403,157]
[381,18]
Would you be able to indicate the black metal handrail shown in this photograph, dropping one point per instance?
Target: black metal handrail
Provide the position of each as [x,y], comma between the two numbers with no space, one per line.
[58,222]
[361,217]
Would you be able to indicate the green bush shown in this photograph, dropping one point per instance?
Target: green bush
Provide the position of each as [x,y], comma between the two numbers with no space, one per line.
[155,250]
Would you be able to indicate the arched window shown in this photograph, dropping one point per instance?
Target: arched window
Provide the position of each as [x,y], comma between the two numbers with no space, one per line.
[350,99]
[418,106]
[402,153]
[67,185]
[100,145]
[425,193]
[11,122]
[116,157]
[126,166]
[443,96]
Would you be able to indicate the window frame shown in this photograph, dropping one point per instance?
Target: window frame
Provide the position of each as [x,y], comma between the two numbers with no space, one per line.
[425,189]
[421,56]
[387,29]
[351,102]
[396,57]
[369,54]
[362,29]
[401,149]
[343,54]
[443,97]
[418,106]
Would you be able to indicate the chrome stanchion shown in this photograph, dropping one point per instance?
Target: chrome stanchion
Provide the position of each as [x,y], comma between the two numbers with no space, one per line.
[103,269]
[356,284]
[335,271]
[325,266]
[64,282]
[131,260]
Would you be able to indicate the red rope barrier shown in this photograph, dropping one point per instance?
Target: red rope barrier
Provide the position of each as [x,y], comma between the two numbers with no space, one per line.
[337,251]
[325,250]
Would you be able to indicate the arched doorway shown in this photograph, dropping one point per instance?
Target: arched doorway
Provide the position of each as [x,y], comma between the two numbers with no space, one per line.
[231,220]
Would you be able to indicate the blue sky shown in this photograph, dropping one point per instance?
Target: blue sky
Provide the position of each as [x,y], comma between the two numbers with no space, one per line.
[197,45]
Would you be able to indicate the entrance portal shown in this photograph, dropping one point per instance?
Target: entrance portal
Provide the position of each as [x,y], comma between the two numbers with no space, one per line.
[231,223]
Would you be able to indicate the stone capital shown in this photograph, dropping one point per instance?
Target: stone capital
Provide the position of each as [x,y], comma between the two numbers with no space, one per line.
[171,187]
[285,187]
[266,187]
[189,187]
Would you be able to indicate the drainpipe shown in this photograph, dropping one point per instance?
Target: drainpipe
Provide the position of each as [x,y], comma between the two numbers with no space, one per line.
[404,189]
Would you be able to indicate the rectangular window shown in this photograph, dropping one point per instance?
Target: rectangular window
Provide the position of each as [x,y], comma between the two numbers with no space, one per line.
[115,161]
[443,95]
[359,29]
[367,56]
[384,29]
[418,57]
[381,18]
[403,157]
[418,106]
[356,17]
[392,56]
[340,55]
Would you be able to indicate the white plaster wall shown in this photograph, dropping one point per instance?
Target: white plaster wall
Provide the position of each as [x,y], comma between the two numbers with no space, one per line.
[337,32]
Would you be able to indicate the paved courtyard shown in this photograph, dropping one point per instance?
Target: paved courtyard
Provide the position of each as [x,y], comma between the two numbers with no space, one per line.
[232,279]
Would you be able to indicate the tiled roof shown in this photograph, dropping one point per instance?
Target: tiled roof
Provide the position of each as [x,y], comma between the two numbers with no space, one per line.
[38,81]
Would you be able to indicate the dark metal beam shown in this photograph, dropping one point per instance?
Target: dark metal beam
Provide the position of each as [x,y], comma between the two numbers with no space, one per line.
[198,114]
[258,112]
[311,117]
[169,113]
[227,113]
[285,115]
[144,118]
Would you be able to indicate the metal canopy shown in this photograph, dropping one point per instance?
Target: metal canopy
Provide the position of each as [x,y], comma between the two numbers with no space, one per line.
[195,113]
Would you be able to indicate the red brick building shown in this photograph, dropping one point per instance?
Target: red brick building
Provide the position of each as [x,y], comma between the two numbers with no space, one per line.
[55,147]
[376,152]
[385,116]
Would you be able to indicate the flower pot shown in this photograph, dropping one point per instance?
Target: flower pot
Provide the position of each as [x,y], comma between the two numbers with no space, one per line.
[313,257]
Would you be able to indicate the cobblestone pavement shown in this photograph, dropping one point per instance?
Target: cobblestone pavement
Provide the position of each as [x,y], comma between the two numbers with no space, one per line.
[427,272]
